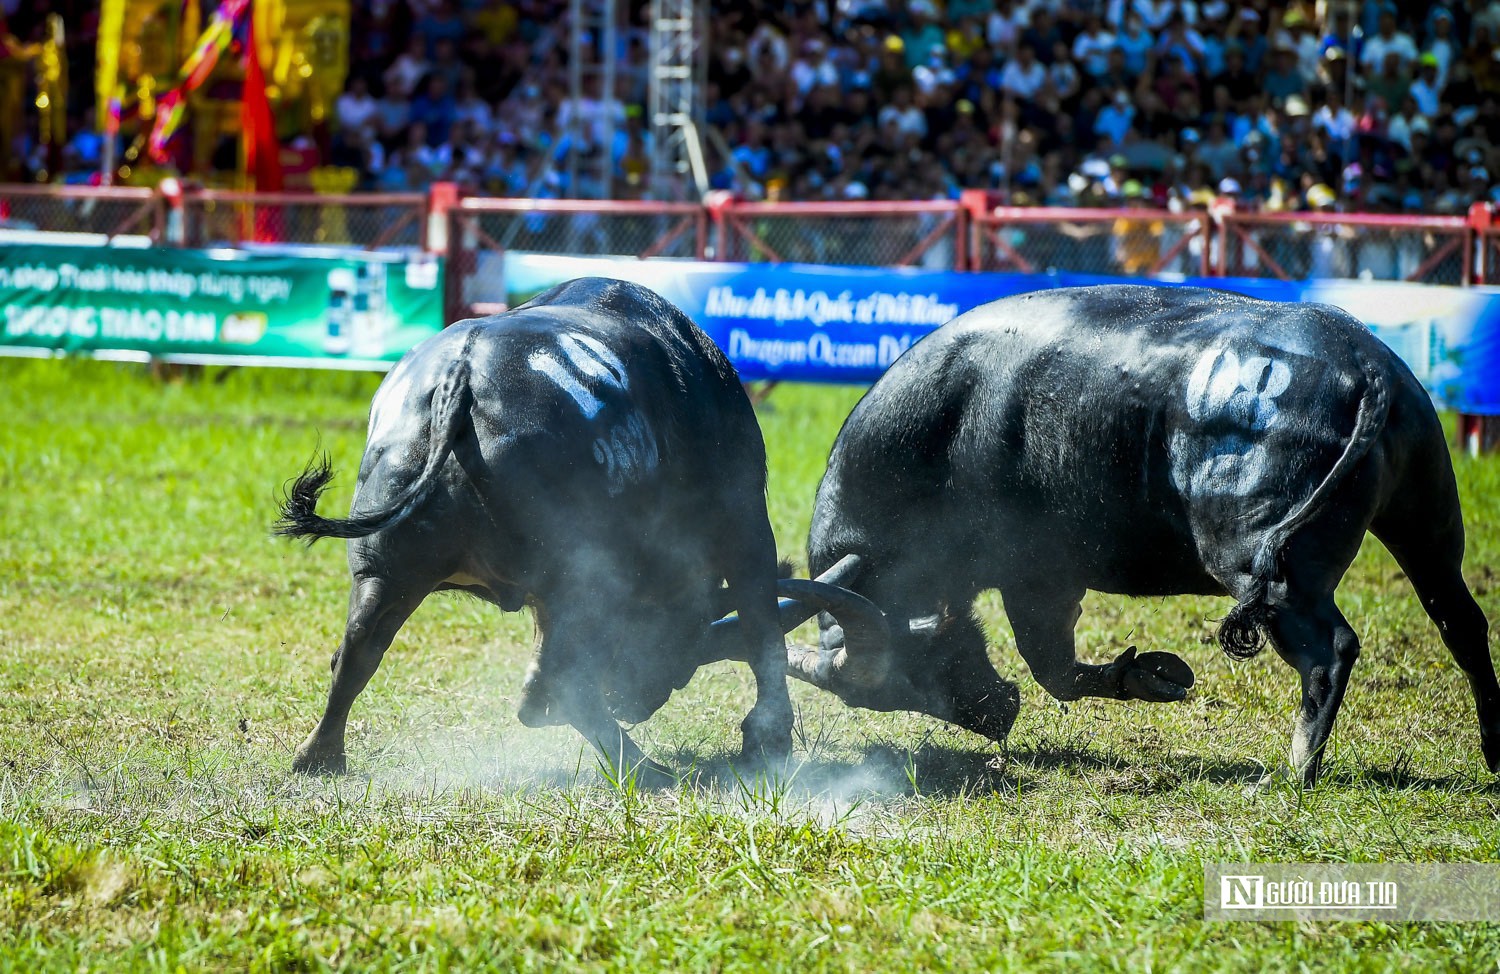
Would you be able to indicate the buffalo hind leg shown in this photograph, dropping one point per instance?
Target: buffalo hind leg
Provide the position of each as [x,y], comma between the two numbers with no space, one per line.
[1043,619]
[1317,641]
[377,610]
[1432,560]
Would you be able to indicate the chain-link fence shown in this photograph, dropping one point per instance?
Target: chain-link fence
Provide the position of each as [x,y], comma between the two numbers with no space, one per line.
[485,229]
[1295,247]
[927,235]
[366,220]
[113,211]
[1132,243]
[590,230]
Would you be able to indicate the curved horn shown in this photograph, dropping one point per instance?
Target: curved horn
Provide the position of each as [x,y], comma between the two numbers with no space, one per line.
[864,624]
[803,599]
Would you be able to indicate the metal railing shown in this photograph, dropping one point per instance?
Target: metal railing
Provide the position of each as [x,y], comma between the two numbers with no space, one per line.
[965,235]
[1299,246]
[483,229]
[109,210]
[1128,242]
[369,221]
[882,234]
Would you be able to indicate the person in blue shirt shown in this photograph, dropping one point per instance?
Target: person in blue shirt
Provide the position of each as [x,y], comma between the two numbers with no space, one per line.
[1136,41]
[435,108]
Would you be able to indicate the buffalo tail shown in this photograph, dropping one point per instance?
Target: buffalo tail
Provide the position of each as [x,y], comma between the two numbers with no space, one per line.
[1242,634]
[299,511]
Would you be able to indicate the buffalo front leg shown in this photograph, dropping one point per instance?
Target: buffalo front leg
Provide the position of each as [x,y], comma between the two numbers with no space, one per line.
[767,728]
[1043,619]
[377,611]
[1318,642]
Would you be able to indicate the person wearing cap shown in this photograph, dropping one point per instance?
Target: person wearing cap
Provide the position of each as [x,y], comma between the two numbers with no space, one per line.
[1328,248]
[1249,32]
[1137,240]
[1427,90]
[1479,187]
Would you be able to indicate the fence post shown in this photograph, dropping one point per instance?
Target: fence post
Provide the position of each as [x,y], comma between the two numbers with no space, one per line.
[974,205]
[170,190]
[1476,265]
[718,202]
[1221,214]
[441,197]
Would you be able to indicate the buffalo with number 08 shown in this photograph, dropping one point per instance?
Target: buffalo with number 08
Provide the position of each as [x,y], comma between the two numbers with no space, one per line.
[1146,441]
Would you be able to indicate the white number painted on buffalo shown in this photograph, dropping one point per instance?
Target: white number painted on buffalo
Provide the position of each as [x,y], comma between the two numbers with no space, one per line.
[1238,396]
[627,454]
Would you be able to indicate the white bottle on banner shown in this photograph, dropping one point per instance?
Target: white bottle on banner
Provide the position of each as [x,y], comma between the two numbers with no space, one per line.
[341,288]
[370,318]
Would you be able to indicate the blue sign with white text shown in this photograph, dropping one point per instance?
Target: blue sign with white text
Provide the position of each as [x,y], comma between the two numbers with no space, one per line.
[818,323]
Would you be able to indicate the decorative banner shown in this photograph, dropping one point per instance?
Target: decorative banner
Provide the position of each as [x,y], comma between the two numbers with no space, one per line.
[815,323]
[228,21]
[349,311]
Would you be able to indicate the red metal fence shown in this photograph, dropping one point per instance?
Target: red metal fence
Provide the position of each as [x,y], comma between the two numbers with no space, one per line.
[967,234]
[112,211]
[903,234]
[369,221]
[1131,242]
[1298,246]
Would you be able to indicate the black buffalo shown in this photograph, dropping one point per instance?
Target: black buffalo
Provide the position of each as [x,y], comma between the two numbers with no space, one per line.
[1146,441]
[591,454]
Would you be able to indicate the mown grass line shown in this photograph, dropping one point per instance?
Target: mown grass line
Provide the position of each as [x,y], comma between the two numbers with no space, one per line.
[160,655]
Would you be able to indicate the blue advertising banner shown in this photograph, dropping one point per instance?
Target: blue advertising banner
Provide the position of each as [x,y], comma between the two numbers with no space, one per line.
[816,323]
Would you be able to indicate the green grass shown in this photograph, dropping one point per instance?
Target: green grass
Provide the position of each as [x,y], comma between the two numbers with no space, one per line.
[160,655]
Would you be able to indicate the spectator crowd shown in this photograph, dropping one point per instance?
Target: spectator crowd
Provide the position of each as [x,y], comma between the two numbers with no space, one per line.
[1373,105]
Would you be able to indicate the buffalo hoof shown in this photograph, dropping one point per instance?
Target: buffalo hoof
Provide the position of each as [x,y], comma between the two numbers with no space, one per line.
[538,708]
[1157,677]
[1490,741]
[650,776]
[313,760]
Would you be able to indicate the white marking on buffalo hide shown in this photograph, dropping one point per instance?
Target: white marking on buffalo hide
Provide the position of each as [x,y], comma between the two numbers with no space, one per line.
[627,454]
[593,357]
[388,407]
[547,364]
[1227,391]
[588,360]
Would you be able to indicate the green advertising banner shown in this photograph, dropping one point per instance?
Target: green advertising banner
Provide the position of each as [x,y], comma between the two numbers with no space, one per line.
[346,311]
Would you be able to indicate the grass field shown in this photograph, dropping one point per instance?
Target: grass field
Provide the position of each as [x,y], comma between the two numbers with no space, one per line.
[160,655]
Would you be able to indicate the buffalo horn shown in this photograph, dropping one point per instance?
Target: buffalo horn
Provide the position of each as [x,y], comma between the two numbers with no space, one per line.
[864,624]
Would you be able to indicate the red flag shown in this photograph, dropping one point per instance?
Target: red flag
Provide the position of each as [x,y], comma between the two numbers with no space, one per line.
[262,151]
